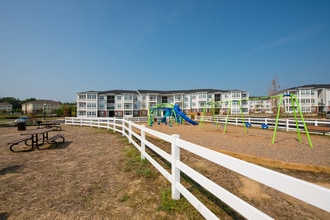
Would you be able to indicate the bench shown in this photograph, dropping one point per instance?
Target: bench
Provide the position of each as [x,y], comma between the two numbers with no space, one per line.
[56,127]
[53,140]
[16,142]
[319,129]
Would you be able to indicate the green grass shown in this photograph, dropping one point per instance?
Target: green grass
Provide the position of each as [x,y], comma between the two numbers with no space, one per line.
[137,165]
[170,205]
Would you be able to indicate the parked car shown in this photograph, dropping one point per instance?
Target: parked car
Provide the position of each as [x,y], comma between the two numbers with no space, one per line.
[22,119]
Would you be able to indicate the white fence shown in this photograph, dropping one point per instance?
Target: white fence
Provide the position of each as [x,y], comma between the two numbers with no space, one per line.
[286,124]
[310,193]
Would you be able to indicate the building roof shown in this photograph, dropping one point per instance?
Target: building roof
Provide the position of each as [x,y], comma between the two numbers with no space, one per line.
[43,101]
[5,104]
[144,91]
[312,86]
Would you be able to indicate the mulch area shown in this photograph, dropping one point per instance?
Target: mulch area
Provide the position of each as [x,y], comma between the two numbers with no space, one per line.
[257,143]
[85,178]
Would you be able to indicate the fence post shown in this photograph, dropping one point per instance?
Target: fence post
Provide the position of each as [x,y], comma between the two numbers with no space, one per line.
[175,171]
[114,121]
[287,125]
[123,127]
[316,124]
[129,132]
[98,123]
[143,144]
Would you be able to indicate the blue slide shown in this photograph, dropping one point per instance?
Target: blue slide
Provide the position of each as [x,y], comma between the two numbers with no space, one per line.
[181,114]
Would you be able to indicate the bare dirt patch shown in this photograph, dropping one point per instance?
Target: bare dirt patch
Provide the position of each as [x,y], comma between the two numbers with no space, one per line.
[87,177]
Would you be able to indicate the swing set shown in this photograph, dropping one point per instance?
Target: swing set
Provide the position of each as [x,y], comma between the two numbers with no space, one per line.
[294,103]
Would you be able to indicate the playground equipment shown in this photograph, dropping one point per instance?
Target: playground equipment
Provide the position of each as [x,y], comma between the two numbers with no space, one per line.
[163,111]
[294,103]
[295,106]
[229,104]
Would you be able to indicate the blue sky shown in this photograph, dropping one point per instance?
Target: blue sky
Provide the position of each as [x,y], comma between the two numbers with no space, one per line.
[56,48]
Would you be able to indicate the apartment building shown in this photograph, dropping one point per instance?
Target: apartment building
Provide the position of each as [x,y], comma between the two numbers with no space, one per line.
[134,103]
[314,98]
[6,107]
[40,106]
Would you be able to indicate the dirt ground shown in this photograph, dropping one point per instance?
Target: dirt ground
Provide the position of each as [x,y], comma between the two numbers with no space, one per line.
[85,178]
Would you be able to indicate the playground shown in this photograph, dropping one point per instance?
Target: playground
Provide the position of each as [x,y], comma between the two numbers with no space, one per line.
[255,144]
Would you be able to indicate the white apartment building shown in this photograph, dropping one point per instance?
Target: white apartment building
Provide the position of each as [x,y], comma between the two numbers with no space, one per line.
[313,98]
[134,103]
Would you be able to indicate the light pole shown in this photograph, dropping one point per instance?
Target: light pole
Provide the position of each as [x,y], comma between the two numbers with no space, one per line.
[45,111]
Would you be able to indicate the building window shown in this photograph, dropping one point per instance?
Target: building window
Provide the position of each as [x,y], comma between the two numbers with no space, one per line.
[202,95]
[152,97]
[118,97]
[127,97]
[178,97]
[236,95]
[91,96]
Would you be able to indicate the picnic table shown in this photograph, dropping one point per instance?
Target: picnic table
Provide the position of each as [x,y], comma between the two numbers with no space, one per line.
[55,125]
[35,141]
[35,138]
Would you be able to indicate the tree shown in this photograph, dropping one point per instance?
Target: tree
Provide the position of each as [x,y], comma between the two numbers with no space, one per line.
[273,91]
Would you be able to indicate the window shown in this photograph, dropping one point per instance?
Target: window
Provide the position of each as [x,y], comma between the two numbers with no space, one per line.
[164,99]
[91,96]
[101,97]
[202,95]
[127,97]
[236,95]
[118,97]
[91,114]
[128,106]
